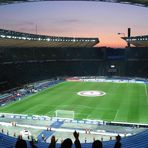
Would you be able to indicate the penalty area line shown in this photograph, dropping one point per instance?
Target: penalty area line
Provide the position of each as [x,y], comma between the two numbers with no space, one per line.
[116,114]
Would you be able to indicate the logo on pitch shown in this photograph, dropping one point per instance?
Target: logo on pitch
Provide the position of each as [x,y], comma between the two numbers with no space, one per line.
[91,93]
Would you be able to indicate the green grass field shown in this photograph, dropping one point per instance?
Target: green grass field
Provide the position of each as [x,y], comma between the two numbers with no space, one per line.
[123,102]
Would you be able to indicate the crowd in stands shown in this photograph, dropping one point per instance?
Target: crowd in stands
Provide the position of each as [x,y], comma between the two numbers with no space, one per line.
[18,93]
[15,55]
[67,143]
[12,96]
[34,64]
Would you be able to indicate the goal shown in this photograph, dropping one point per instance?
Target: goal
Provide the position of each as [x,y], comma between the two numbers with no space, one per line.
[64,114]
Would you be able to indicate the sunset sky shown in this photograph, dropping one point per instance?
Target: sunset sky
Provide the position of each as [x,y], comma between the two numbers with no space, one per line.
[76,19]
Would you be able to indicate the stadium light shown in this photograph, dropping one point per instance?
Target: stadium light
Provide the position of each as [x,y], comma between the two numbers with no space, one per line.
[112,66]
[119,33]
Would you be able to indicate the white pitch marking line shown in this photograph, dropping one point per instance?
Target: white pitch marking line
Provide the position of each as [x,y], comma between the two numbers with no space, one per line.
[116,114]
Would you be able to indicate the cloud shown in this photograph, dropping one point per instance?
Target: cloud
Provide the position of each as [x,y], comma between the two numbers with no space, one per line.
[71,21]
[67,21]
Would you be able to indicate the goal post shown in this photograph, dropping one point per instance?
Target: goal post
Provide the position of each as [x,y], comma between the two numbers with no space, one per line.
[64,114]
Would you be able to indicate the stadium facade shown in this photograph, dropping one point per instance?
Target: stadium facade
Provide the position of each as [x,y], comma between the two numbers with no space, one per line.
[138,41]
[26,58]
[133,2]
[9,38]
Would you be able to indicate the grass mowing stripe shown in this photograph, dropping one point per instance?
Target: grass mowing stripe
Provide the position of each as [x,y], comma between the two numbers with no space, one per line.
[134,112]
[145,87]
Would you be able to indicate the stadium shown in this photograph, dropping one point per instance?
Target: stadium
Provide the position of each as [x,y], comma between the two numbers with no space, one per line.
[138,41]
[54,85]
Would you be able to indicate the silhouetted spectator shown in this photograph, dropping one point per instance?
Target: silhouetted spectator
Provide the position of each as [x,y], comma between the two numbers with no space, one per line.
[101,138]
[32,143]
[77,141]
[7,132]
[97,144]
[20,143]
[118,144]
[14,134]
[53,142]
[67,143]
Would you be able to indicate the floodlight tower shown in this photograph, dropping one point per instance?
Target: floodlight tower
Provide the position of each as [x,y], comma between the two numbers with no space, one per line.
[128,35]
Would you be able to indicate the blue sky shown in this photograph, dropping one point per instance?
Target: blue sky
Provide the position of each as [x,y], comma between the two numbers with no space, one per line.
[77,19]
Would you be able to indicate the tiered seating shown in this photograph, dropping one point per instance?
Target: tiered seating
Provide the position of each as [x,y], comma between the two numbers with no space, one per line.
[7,141]
[136,141]
[137,53]
[9,38]
[24,65]
[5,98]
[20,55]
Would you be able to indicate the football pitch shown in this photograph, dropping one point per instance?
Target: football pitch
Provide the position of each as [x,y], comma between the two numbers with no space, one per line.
[121,102]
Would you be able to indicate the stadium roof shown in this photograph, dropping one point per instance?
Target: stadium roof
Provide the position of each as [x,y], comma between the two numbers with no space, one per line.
[138,41]
[9,38]
[133,2]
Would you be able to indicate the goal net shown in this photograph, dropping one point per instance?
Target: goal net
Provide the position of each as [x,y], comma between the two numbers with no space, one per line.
[65,114]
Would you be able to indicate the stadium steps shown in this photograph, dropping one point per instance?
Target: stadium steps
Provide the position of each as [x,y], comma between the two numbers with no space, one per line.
[46,133]
[57,124]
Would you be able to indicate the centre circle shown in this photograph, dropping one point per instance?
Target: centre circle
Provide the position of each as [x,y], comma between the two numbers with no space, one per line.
[91,93]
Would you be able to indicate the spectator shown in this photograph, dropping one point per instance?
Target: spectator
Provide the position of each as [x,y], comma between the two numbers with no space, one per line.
[118,144]
[20,143]
[14,134]
[67,143]
[97,144]
[7,132]
[53,142]
[32,143]
[77,141]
